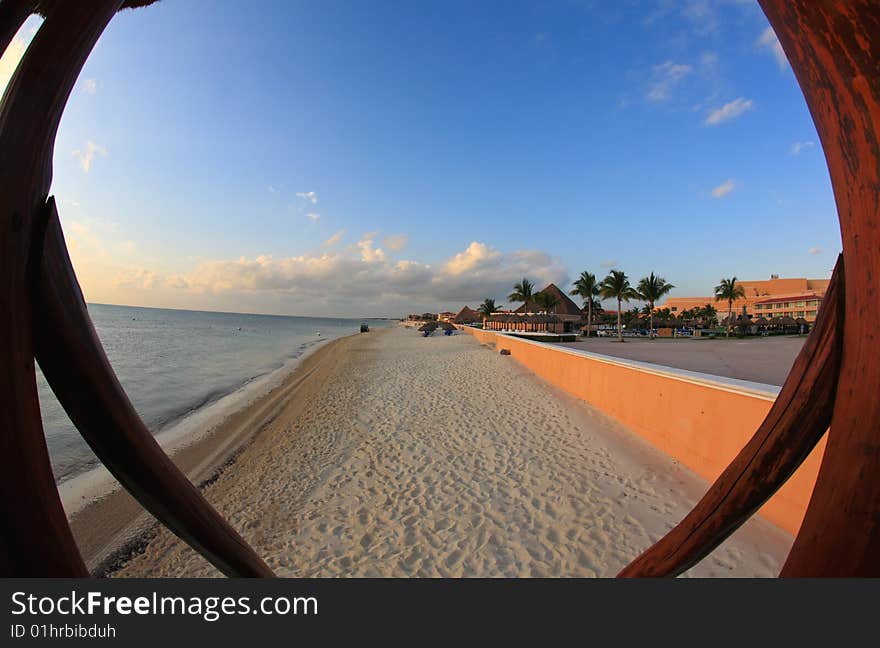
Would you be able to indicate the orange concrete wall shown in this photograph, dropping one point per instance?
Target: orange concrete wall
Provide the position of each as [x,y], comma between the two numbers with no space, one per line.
[701,423]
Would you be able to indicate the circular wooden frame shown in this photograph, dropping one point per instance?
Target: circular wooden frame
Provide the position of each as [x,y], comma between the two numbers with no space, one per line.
[833,47]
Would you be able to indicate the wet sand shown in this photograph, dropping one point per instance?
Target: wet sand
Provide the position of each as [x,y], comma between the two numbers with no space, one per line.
[408,456]
[763,360]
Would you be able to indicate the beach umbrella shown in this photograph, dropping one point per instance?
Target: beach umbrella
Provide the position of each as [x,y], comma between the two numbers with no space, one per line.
[762,321]
[428,326]
[446,326]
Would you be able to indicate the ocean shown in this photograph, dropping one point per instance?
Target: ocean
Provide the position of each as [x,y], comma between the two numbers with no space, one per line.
[187,370]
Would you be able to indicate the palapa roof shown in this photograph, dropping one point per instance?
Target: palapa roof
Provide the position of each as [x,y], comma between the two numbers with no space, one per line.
[564,305]
[529,319]
[467,315]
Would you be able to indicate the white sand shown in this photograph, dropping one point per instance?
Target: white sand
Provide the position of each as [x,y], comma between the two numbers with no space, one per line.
[411,456]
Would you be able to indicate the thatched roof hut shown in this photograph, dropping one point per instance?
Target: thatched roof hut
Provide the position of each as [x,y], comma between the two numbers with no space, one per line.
[467,315]
[543,319]
[564,306]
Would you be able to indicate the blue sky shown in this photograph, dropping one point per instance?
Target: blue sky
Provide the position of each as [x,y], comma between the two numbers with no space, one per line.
[367,158]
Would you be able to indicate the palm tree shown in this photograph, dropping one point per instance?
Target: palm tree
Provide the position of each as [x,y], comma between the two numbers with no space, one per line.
[616,286]
[651,289]
[522,292]
[487,307]
[545,301]
[587,288]
[709,314]
[728,290]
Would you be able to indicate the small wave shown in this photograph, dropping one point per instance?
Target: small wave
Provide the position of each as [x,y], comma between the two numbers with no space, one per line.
[95,482]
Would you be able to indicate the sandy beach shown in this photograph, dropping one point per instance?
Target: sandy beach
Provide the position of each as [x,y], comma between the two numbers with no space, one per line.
[396,455]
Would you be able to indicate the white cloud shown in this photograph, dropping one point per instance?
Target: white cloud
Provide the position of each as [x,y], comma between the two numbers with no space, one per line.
[312,216]
[664,78]
[396,242]
[369,254]
[815,250]
[355,280]
[90,86]
[308,196]
[86,157]
[475,256]
[271,189]
[799,147]
[333,240]
[728,111]
[769,41]
[609,264]
[724,188]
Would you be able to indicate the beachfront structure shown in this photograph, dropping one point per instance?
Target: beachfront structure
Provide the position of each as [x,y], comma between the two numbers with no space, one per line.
[565,310]
[445,316]
[524,323]
[467,315]
[795,298]
[803,306]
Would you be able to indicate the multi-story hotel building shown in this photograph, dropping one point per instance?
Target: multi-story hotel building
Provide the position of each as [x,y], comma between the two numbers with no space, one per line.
[769,298]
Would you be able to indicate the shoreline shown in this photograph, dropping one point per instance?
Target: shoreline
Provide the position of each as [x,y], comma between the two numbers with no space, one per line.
[111,526]
[402,456]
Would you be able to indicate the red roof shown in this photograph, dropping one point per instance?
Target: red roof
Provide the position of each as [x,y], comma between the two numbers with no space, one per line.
[773,300]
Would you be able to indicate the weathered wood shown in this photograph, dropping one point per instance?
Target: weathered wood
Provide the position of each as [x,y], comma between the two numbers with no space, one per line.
[73,361]
[834,50]
[798,419]
[36,537]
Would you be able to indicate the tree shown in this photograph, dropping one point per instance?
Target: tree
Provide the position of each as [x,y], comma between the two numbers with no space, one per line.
[545,301]
[522,292]
[706,313]
[587,288]
[728,290]
[487,307]
[616,286]
[651,289]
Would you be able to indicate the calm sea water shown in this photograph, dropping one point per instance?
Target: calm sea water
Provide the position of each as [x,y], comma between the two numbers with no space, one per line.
[178,366]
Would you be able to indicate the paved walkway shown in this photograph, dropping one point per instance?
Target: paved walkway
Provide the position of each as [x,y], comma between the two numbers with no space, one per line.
[764,360]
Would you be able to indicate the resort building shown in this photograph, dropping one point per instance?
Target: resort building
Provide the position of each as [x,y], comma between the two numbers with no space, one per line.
[467,315]
[524,323]
[803,306]
[566,311]
[769,298]
[446,316]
